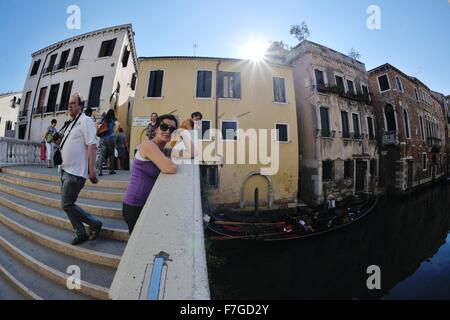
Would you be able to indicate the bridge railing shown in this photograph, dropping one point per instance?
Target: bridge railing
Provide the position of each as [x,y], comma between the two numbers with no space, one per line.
[19,152]
[165,257]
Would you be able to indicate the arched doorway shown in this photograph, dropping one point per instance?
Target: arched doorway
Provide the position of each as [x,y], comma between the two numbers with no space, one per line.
[262,185]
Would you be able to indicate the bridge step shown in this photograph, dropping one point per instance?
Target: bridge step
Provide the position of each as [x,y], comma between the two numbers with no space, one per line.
[35,236]
[13,289]
[112,228]
[54,187]
[59,240]
[119,181]
[95,207]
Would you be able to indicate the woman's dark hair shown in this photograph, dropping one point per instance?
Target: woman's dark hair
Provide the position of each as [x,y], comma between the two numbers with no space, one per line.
[120,129]
[154,113]
[54,121]
[196,114]
[168,117]
[110,115]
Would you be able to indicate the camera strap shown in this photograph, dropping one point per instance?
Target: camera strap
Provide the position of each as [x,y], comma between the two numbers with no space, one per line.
[73,125]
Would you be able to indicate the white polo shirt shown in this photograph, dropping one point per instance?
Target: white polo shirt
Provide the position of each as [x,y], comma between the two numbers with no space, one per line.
[75,149]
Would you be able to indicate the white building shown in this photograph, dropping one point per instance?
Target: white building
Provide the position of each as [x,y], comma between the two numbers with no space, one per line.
[9,111]
[100,65]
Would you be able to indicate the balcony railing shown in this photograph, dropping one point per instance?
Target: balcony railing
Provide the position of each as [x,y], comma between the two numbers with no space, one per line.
[359,97]
[72,63]
[390,138]
[23,113]
[435,144]
[61,67]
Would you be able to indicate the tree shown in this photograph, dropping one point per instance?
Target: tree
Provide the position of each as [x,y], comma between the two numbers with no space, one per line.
[277,51]
[300,31]
[353,53]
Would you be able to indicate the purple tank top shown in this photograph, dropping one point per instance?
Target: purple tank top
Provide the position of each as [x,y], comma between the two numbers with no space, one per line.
[142,178]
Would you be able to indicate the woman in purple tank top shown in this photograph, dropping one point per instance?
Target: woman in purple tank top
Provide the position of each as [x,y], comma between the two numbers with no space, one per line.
[149,161]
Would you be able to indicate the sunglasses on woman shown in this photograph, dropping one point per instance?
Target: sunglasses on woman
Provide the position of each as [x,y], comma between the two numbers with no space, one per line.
[164,127]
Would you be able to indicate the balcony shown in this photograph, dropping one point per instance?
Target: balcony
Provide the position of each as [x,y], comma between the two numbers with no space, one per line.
[390,138]
[434,144]
[23,114]
[358,97]
[72,64]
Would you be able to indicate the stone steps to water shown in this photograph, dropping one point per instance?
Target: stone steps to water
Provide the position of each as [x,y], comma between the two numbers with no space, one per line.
[35,236]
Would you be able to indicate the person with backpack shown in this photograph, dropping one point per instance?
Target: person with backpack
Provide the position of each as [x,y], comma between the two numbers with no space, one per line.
[49,143]
[106,131]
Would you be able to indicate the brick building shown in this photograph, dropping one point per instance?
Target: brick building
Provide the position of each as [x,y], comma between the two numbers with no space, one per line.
[412,130]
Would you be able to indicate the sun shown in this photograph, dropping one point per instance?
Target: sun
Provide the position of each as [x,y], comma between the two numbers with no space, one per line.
[254,50]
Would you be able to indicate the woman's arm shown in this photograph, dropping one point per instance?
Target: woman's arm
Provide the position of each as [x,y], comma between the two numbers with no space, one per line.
[151,151]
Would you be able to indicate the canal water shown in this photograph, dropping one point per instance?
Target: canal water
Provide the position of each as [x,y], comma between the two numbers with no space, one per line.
[408,238]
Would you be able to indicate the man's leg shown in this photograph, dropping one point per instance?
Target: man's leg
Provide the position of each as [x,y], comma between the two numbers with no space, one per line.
[72,186]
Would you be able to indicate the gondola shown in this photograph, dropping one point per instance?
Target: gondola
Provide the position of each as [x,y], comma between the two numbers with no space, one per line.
[274,226]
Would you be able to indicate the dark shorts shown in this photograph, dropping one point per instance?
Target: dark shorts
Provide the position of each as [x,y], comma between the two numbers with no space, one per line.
[131,215]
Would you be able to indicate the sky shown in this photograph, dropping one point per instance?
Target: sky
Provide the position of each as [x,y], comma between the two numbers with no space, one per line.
[414,35]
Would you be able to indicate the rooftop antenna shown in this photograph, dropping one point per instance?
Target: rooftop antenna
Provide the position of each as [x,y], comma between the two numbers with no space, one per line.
[195,46]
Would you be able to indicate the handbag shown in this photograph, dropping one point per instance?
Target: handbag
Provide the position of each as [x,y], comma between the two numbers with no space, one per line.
[103,129]
[57,157]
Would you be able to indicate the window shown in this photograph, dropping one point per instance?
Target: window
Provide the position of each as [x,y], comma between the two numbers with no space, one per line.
[282,132]
[348,169]
[229,85]
[35,68]
[51,64]
[416,94]
[52,96]
[424,162]
[406,120]
[229,130]
[41,101]
[155,84]
[356,126]
[210,174]
[76,57]
[325,122]
[340,83]
[327,170]
[389,114]
[95,92]
[399,84]
[350,87]
[279,90]
[365,91]
[65,96]
[345,125]
[204,84]
[371,128]
[125,57]
[133,82]
[26,104]
[8,125]
[383,82]
[206,130]
[63,60]
[320,80]
[107,48]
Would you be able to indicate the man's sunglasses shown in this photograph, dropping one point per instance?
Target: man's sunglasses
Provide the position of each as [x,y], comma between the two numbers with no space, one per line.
[164,127]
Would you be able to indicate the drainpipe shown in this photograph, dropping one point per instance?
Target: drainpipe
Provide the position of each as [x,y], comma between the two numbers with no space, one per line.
[37,87]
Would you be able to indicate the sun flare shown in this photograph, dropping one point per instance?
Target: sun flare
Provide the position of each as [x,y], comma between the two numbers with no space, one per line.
[255,50]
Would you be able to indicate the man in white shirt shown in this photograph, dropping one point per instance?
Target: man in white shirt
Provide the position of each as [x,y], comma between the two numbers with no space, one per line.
[78,155]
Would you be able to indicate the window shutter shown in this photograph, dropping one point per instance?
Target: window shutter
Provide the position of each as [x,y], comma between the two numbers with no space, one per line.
[151,84]
[111,47]
[159,81]
[208,83]
[200,84]
[237,85]
[220,84]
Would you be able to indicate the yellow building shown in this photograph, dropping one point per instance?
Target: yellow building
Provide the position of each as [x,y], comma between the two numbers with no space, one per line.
[239,98]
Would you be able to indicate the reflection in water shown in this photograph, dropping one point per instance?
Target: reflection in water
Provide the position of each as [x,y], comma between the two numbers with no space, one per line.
[405,237]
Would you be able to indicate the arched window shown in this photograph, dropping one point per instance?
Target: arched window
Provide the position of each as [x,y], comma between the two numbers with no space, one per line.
[390,118]
[406,121]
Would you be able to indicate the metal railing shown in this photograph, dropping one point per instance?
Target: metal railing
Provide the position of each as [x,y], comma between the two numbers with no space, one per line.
[390,138]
